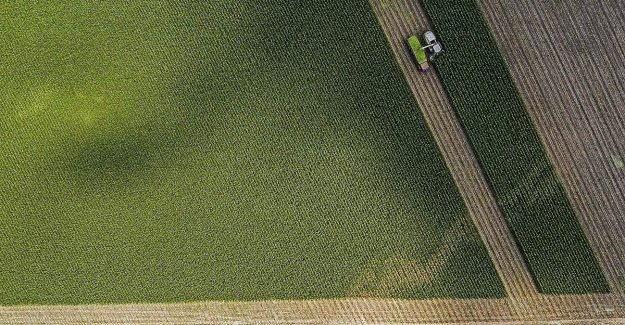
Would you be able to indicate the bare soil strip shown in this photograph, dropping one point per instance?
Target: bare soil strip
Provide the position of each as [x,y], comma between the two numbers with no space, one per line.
[535,310]
[566,59]
[399,20]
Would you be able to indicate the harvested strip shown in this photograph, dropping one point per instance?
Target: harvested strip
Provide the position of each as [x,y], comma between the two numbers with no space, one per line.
[400,19]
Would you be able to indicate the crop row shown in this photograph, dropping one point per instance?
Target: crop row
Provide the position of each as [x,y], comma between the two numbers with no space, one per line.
[502,134]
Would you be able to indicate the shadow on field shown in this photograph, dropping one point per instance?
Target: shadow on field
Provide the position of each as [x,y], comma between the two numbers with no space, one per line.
[136,149]
[372,92]
[114,157]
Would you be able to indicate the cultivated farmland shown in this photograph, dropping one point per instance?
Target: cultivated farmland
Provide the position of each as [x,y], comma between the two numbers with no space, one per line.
[553,113]
[399,20]
[577,108]
[153,154]
[501,132]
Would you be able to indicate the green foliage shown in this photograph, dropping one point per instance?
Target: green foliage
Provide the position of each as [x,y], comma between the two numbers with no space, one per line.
[417,50]
[511,153]
[222,149]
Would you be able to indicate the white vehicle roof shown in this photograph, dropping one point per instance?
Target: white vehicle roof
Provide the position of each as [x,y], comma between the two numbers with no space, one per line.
[437,48]
[429,37]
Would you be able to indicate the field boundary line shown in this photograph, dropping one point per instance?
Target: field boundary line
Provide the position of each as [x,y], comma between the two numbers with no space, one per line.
[547,310]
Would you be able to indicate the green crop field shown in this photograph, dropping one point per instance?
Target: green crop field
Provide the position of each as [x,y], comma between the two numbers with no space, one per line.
[500,130]
[219,150]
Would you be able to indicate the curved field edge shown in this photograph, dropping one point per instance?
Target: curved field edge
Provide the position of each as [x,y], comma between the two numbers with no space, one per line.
[162,156]
[499,128]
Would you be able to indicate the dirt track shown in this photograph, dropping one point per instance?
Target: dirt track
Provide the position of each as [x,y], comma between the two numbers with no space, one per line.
[400,19]
[537,310]
[567,60]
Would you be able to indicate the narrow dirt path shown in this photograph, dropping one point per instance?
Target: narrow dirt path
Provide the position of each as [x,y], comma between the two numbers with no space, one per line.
[566,59]
[400,19]
[539,310]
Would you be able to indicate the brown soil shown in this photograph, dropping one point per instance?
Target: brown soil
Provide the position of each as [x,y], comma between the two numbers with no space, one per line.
[539,310]
[567,59]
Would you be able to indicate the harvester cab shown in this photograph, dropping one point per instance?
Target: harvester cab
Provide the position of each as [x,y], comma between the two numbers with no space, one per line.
[432,45]
[425,53]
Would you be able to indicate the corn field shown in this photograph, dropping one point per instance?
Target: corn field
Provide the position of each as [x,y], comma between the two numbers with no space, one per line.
[505,141]
[170,152]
